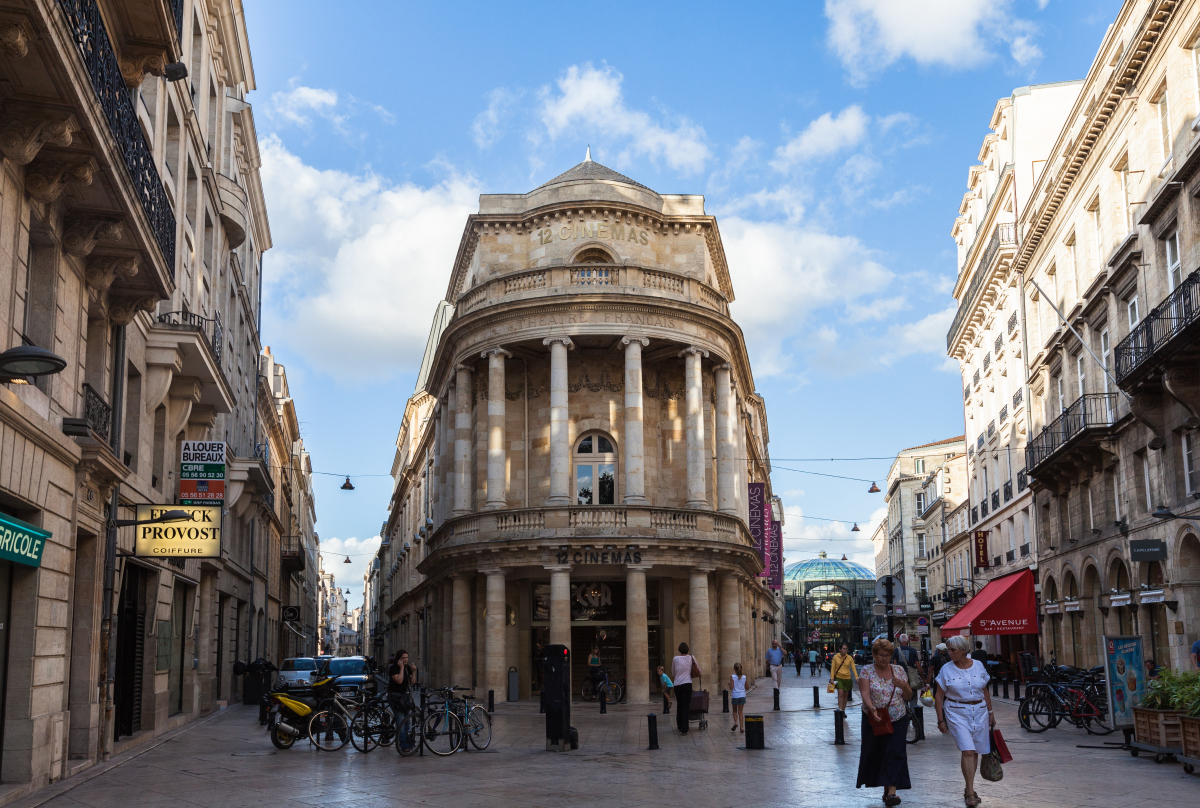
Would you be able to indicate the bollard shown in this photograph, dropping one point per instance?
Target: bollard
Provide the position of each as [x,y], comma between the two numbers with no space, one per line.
[652,727]
[995,688]
[1005,687]
[776,699]
[816,697]
[603,701]
[542,702]
[491,701]
[755,736]
[724,701]
[1017,690]
[919,718]
[839,732]
[1128,732]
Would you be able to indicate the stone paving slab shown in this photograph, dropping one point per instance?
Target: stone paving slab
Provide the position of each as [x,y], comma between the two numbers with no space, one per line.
[228,761]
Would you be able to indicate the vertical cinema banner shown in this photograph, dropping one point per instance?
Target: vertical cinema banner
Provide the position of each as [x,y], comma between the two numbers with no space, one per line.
[981,550]
[202,473]
[776,555]
[760,521]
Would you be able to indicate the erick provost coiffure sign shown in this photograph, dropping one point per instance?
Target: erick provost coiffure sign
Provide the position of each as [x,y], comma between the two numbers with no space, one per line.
[199,537]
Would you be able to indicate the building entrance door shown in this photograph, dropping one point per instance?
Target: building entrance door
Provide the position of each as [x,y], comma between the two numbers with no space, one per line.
[610,639]
[131,648]
[178,628]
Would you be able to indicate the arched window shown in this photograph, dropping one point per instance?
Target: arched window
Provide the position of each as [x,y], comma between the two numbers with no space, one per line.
[594,255]
[595,470]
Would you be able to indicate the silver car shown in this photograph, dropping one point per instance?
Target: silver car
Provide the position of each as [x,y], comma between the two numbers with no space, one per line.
[294,674]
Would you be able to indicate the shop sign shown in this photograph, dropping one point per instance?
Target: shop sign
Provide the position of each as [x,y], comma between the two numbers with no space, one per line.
[1157,596]
[21,542]
[1053,608]
[1120,600]
[981,551]
[759,523]
[1072,606]
[1125,675]
[202,473]
[776,581]
[1147,550]
[200,537]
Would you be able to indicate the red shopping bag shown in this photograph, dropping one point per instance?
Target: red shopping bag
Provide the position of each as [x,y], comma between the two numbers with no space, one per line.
[1000,746]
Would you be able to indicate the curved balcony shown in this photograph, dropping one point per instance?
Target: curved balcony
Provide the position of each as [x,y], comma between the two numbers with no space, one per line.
[591,278]
[234,209]
[1072,438]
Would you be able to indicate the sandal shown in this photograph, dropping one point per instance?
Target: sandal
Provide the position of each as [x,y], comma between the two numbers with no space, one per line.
[894,799]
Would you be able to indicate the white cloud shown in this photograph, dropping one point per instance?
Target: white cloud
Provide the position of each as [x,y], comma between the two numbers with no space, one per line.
[804,538]
[591,100]
[826,135]
[488,125]
[359,263]
[298,104]
[927,335]
[334,553]
[870,35]
[876,309]
[781,273]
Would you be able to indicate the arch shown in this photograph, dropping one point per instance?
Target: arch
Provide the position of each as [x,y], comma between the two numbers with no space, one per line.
[1188,561]
[1093,581]
[594,252]
[594,468]
[1070,585]
[1050,588]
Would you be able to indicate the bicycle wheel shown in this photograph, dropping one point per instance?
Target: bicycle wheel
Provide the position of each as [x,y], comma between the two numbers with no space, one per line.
[443,733]
[328,731]
[588,691]
[1098,724]
[369,727]
[1037,714]
[385,726]
[408,735]
[614,693]
[479,727]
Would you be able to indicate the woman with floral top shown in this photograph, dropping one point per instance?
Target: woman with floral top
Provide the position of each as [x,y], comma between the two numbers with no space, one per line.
[883,759]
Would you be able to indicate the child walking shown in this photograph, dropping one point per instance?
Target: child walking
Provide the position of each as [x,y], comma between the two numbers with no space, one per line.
[737,695]
[666,689]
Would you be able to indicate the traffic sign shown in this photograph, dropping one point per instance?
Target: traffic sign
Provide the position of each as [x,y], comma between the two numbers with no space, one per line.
[897,589]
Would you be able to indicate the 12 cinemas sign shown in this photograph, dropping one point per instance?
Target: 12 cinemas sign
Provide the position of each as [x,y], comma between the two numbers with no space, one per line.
[199,537]
[202,473]
[760,524]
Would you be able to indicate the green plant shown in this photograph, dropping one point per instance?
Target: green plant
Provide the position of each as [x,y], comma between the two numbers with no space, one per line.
[1174,690]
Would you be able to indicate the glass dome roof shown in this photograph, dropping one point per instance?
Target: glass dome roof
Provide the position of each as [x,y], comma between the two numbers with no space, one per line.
[823,568]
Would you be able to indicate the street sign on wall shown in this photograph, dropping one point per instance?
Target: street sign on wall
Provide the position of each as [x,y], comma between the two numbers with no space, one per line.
[199,537]
[202,473]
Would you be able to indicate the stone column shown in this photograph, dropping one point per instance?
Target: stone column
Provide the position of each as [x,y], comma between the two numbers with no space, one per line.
[560,445]
[496,471]
[460,659]
[462,441]
[446,629]
[446,456]
[731,625]
[635,470]
[701,631]
[726,499]
[560,604]
[495,668]
[697,496]
[637,642]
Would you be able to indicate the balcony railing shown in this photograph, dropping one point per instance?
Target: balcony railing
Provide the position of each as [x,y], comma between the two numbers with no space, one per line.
[974,514]
[210,328]
[975,378]
[979,444]
[177,15]
[1024,551]
[999,346]
[1007,490]
[1168,319]
[983,508]
[1018,397]
[1010,556]
[997,561]
[996,500]
[1022,480]
[91,38]
[1012,322]
[1004,413]
[991,429]
[1004,235]
[1091,411]
[291,553]
[262,451]
[96,412]
[987,361]
[967,393]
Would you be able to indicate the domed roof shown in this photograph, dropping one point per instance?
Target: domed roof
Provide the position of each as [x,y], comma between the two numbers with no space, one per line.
[591,170]
[823,568]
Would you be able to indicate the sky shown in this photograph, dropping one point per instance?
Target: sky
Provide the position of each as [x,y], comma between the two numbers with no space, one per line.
[831,140]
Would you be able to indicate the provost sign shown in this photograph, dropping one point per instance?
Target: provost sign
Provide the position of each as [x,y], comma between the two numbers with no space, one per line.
[21,542]
[199,537]
[202,473]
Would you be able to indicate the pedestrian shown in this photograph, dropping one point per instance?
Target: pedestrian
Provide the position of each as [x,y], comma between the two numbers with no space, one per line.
[401,678]
[906,657]
[682,667]
[979,653]
[940,658]
[883,759]
[667,684]
[841,674]
[964,709]
[798,658]
[737,695]
[594,669]
[812,661]
[1196,654]
[1151,668]
[775,663]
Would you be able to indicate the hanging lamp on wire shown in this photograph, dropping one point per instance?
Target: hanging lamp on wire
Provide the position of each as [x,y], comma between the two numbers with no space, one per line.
[347,561]
[855,528]
[347,486]
[874,489]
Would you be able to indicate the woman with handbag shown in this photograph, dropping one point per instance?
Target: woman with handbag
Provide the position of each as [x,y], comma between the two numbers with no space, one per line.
[964,709]
[883,757]
[401,677]
[842,673]
[683,668]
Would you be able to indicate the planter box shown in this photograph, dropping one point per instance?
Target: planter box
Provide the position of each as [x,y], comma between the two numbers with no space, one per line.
[1190,728]
[1159,728]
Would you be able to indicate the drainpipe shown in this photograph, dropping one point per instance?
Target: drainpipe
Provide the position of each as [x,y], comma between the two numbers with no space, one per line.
[108,649]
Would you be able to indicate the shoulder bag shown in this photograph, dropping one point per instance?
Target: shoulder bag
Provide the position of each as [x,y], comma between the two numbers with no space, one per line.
[695,667]
[883,724]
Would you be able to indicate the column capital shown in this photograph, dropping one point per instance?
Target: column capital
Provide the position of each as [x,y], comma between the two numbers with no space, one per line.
[694,349]
[467,368]
[638,567]
[497,351]
[723,366]
[557,567]
[564,340]
[629,339]
[493,571]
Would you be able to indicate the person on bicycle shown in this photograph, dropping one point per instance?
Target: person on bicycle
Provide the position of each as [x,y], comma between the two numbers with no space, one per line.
[401,678]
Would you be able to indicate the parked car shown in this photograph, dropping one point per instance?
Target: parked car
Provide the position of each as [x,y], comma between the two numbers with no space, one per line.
[294,673]
[353,673]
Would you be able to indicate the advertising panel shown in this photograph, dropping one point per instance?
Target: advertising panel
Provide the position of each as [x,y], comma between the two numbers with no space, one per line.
[202,473]
[199,537]
[759,523]
[1125,673]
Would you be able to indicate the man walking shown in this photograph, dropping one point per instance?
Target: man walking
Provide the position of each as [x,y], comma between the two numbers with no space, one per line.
[812,661]
[798,658]
[979,653]
[775,661]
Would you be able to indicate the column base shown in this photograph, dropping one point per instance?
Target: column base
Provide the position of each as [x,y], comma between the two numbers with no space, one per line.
[492,506]
[558,501]
[729,511]
[698,505]
[457,512]
[629,500]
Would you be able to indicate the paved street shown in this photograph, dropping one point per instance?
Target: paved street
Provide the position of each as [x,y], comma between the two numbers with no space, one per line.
[228,762]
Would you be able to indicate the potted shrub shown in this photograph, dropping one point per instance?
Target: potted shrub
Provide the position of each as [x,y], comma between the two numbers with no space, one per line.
[1189,722]
[1156,719]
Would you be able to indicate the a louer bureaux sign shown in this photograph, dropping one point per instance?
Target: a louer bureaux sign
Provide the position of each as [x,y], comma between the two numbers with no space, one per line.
[21,542]
[202,472]
[198,537]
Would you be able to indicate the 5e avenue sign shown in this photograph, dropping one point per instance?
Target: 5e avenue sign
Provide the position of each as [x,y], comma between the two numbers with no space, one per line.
[200,537]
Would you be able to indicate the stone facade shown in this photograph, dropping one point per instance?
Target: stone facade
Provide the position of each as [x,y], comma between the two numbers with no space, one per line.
[573,466]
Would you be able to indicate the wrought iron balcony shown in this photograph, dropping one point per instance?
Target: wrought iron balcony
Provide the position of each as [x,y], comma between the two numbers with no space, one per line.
[997,561]
[1091,415]
[1024,551]
[996,500]
[291,553]
[1010,556]
[974,514]
[975,378]
[96,412]
[987,361]
[967,393]
[979,444]
[99,58]
[1004,413]
[1161,333]
[1007,490]
[1012,322]
[262,452]
[999,346]
[1018,397]
[210,328]
[1022,480]
[991,429]
[983,508]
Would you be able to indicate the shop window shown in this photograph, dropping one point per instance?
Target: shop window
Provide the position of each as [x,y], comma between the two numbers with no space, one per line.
[595,471]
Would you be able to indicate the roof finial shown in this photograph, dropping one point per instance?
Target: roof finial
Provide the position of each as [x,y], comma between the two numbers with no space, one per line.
[588,157]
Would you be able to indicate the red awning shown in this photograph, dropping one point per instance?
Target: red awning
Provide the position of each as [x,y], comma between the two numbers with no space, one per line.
[1005,606]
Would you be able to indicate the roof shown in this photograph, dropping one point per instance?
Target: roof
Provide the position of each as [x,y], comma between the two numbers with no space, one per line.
[591,170]
[823,568]
[936,443]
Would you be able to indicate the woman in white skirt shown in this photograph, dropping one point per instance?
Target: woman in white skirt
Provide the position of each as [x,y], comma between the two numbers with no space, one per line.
[964,709]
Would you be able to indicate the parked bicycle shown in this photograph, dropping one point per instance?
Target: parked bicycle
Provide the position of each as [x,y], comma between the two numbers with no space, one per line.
[329,728]
[1077,696]
[373,725]
[610,688]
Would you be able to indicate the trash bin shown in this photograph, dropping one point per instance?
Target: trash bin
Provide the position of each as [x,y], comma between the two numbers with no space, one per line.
[514,685]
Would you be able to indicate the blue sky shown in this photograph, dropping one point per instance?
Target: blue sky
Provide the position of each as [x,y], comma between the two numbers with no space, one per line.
[831,140]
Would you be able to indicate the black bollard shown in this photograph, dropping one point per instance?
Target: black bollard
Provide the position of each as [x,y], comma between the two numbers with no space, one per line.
[603,701]
[995,688]
[724,701]
[776,699]
[755,735]
[1017,690]
[839,732]
[542,702]
[491,701]
[652,727]
[919,717]
[1005,687]
[816,697]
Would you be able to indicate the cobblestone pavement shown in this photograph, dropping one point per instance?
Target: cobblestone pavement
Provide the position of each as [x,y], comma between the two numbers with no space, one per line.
[228,761]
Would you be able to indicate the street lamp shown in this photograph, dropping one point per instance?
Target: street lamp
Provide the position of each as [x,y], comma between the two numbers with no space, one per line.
[874,489]
[855,528]
[347,486]
[1163,512]
[18,364]
[168,516]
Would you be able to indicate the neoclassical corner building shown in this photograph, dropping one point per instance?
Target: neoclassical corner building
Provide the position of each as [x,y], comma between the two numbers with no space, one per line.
[573,467]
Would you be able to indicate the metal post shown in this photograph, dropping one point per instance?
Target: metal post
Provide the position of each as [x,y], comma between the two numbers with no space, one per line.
[776,708]
[1016,690]
[1005,687]
[995,688]
[839,732]
[816,697]
[724,701]
[603,701]
[919,717]
[107,646]
[491,701]
[888,588]
[652,727]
